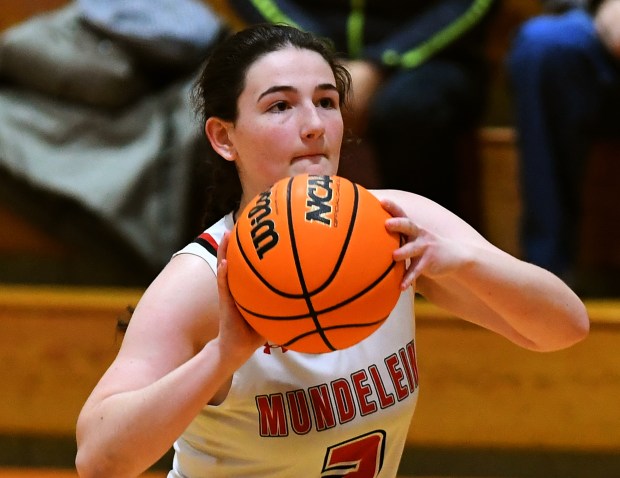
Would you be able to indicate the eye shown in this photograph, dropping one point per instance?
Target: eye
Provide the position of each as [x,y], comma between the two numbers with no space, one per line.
[278,107]
[327,103]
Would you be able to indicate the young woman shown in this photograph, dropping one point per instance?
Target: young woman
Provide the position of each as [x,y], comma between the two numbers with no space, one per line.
[191,372]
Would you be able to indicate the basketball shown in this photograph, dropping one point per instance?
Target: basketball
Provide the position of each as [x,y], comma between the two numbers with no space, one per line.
[310,264]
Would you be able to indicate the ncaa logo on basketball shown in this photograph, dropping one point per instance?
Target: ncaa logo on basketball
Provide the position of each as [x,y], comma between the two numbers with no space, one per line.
[320,194]
[264,235]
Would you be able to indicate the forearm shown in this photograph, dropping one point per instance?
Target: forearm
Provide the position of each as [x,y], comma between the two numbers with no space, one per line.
[521,301]
[125,433]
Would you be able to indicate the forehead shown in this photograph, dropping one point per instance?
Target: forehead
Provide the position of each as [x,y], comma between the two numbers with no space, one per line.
[289,66]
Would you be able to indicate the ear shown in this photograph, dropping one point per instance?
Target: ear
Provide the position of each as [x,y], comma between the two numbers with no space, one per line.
[217,131]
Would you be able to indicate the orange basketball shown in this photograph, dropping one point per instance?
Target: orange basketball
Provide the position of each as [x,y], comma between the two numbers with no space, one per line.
[310,264]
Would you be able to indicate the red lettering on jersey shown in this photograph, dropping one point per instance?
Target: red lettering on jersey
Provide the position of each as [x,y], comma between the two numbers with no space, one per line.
[272,416]
[360,457]
[407,368]
[300,413]
[385,399]
[363,390]
[413,363]
[344,400]
[397,376]
[322,406]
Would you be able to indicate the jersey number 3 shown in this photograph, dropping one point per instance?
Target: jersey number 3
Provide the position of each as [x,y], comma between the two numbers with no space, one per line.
[360,457]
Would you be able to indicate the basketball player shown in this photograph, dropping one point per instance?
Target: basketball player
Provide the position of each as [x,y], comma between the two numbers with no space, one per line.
[191,372]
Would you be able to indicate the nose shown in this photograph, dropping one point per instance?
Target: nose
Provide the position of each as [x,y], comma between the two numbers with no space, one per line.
[312,126]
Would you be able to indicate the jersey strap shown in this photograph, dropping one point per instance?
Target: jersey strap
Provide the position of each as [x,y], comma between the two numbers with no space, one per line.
[206,240]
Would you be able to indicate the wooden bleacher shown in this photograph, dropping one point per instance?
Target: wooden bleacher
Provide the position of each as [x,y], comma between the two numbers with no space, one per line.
[478,392]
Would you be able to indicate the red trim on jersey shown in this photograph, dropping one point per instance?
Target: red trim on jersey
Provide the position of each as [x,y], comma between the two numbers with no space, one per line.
[209,238]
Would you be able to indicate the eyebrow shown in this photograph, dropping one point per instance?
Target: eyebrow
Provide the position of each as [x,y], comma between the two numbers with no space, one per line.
[277,88]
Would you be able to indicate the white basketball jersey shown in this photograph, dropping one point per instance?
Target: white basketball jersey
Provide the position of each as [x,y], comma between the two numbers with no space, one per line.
[291,414]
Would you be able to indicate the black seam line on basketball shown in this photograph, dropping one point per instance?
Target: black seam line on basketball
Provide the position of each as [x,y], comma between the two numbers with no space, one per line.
[207,245]
[258,274]
[328,309]
[333,327]
[287,295]
[300,275]
[345,244]
[266,283]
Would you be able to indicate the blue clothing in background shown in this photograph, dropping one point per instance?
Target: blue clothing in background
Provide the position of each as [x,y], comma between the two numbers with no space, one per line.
[566,93]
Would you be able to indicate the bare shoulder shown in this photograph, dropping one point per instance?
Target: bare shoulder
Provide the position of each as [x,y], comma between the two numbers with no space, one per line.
[176,316]
[181,302]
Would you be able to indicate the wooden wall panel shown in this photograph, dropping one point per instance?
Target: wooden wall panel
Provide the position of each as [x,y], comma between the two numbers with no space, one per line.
[55,343]
[476,389]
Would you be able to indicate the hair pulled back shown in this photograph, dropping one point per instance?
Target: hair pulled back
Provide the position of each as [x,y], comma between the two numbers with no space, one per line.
[222,81]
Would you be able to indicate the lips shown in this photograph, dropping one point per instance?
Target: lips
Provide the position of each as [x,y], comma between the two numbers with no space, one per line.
[313,158]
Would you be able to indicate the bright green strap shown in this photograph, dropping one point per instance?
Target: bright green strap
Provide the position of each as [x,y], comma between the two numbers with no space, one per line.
[355,28]
[272,13]
[420,54]
[355,24]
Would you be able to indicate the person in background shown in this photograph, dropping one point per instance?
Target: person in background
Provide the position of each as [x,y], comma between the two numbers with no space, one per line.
[191,371]
[564,68]
[419,82]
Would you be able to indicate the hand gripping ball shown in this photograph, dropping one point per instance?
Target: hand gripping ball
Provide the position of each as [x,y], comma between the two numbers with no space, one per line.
[310,264]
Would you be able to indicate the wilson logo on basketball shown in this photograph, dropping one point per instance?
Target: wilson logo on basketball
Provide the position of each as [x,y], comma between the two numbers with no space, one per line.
[264,235]
[320,195]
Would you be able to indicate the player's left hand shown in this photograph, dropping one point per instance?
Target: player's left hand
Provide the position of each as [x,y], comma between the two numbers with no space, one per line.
[430,255]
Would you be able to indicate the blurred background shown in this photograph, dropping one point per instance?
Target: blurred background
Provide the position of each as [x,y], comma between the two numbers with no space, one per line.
[102,166]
